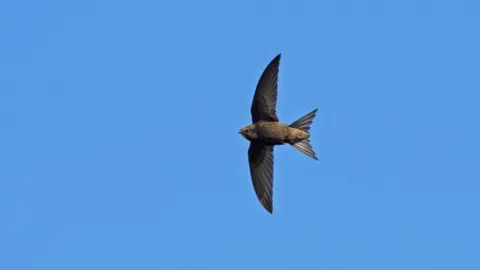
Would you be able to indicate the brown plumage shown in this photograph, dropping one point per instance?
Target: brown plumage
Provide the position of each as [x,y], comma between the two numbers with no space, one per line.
[266,131]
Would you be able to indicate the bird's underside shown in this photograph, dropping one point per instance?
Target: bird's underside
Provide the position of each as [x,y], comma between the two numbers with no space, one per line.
[276,133]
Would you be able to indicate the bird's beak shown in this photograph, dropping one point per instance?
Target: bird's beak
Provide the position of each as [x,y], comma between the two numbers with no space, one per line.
[243,135]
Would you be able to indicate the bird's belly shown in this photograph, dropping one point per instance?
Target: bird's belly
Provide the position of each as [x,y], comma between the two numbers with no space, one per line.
[275,134]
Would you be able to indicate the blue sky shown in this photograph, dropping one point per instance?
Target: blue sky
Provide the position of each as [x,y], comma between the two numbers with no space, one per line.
[119,144]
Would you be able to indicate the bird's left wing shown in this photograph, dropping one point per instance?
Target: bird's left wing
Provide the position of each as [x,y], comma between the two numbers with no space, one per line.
[260,158]
[265,99]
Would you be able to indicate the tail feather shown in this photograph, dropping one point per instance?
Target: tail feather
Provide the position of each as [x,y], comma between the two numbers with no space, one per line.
[305,147]
[304,123]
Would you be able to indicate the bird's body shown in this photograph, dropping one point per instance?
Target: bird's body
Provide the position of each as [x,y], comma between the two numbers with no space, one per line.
[266,131]
[275,133]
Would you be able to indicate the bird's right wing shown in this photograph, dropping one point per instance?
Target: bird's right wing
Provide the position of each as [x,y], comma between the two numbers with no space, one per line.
[265,99]
[260,158]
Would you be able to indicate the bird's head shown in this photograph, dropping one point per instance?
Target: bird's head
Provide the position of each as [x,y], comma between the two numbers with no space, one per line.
[248,132]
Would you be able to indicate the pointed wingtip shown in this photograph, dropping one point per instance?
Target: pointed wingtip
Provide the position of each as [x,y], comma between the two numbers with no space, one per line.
[276,60]
[267,206]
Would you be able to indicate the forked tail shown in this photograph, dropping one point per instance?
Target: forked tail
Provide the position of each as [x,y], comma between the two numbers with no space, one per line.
[304,124]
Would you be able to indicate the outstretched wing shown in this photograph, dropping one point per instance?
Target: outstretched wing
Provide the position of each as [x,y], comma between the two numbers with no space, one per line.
[265,99]
[260,158]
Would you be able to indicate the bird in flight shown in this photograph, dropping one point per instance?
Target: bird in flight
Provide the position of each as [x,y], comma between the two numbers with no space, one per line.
[266,131]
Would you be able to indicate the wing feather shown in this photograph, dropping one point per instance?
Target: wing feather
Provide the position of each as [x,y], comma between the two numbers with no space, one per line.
[260,158]
[265,99]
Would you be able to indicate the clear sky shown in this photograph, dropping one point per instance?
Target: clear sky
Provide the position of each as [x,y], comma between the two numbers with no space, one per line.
[119,144]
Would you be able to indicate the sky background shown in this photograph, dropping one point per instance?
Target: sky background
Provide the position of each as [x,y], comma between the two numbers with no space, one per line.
[119,144]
